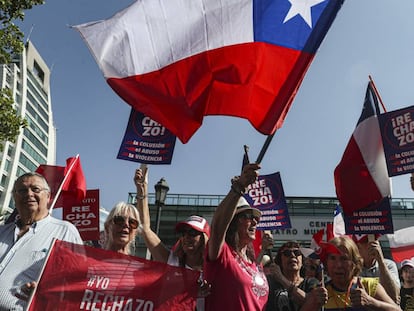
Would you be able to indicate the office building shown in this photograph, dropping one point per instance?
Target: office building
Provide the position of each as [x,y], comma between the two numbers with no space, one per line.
[28,77]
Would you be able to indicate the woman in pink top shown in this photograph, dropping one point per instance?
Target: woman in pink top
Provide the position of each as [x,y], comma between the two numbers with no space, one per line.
[237,282]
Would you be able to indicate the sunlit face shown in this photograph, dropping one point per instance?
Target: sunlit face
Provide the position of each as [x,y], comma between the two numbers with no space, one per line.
[191,239]
[31,198]
[122,230]
[247,227]
[291,259]
[340,269]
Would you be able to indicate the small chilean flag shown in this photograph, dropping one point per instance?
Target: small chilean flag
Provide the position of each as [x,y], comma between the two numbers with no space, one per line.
[361,178]
[402,244]
[177,61]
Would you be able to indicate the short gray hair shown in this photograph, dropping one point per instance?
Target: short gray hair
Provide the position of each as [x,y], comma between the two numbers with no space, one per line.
[32,174]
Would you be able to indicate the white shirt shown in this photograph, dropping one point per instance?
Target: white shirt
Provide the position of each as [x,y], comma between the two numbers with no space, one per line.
[22,260]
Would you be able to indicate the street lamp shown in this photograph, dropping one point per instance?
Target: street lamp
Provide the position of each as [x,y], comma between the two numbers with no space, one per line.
[161,189]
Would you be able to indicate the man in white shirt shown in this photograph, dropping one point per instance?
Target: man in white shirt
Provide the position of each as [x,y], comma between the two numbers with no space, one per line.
[25,243]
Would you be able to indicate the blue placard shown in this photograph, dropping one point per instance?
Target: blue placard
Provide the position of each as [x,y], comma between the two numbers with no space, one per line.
[146,141]
[374,219]
[268,196]
[397,131]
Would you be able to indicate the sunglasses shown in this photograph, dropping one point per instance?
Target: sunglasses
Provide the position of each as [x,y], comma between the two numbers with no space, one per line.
[191,232]
[250,217]
[120,221]
[289,252]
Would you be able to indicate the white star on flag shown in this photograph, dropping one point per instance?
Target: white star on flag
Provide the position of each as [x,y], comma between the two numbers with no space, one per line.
[303,8]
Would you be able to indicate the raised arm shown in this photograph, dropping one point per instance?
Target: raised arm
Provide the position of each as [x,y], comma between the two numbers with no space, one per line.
[226,209]
[157,249]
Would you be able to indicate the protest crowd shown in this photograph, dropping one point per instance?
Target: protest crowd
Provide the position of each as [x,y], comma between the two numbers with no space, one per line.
[228,264]
[347,272]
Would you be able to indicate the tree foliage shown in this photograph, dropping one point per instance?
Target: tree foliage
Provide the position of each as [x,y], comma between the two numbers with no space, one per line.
[10,122]
[11,43]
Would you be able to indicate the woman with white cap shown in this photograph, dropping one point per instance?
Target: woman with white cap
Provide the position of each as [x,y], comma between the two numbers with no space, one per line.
[230,264]
[188,252]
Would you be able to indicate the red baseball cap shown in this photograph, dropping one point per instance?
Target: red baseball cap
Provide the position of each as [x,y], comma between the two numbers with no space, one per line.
[196,222]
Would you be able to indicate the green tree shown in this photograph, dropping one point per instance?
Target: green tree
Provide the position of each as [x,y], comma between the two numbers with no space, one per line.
[11,43]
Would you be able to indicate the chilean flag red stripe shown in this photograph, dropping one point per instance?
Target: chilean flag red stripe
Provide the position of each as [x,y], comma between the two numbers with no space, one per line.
[178,61]
[361,177]
[402,244]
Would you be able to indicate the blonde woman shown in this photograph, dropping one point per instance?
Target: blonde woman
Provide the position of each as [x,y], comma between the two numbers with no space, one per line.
[121,227]
[347,290]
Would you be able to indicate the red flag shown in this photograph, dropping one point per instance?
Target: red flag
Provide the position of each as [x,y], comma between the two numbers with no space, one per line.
[245,58]
[65,181]
[326,249]
[317,239]
[361,178]
[96,279]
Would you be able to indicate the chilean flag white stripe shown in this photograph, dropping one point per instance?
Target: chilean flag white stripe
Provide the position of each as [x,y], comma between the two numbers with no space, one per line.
[402,244]
[368,138]
[361,178]
[338,223]
[166,32]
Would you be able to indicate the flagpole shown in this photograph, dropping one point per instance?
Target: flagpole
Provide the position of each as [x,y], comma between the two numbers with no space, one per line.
[62,183]
[376,92]
[264,148]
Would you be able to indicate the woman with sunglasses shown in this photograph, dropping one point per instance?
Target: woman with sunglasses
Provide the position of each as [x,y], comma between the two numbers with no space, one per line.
[188,252]
[287,288]
[346,290]
[238,282]
[121,227]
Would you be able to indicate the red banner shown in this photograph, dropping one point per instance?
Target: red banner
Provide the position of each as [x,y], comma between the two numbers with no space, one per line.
[78,277]
[84,214]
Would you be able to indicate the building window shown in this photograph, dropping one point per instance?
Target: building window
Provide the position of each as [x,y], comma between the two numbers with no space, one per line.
[38,72]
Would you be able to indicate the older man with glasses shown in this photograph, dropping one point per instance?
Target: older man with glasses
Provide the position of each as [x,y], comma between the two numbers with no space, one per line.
[24,244]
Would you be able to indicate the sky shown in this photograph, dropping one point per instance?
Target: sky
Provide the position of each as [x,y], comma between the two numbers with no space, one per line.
[369,37]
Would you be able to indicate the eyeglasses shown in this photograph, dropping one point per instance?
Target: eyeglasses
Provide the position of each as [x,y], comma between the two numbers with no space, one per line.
[191,232]
[313,268]
[289,252]
[250,217]
[120,221]
[34,189]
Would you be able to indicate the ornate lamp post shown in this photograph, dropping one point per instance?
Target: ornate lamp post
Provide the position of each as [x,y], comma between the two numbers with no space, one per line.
[161,189]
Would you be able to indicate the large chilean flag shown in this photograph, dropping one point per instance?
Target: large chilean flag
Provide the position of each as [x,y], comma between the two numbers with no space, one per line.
[179,60]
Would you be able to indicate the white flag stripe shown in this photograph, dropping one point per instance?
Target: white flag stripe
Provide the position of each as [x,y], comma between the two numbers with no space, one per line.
[149,35]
